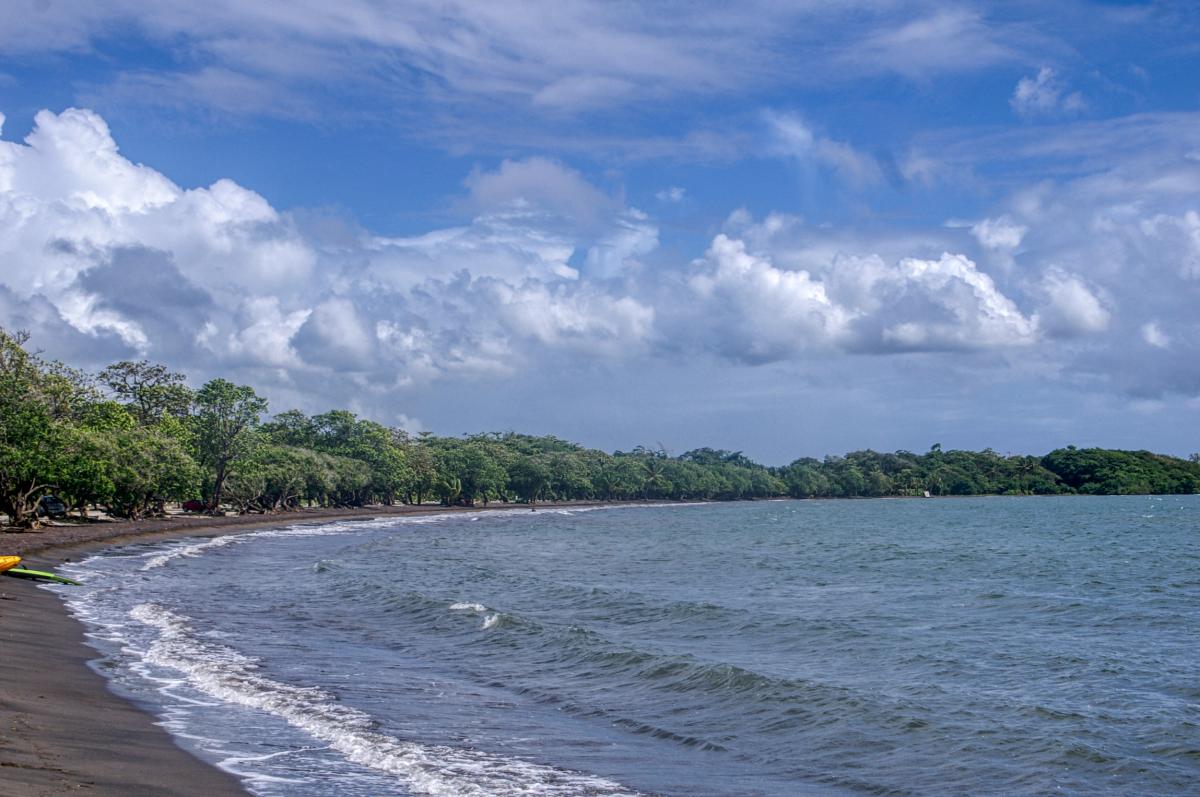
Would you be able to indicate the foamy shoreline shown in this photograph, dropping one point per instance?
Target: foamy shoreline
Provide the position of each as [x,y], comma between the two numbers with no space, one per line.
[61,728]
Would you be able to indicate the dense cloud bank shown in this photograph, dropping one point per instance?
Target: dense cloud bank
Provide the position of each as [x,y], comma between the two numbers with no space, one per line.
[106,259]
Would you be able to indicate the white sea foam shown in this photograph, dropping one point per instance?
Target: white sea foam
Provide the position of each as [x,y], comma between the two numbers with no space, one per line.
[249,767]
[436,770]
[491,621]
[160,558]
[551,509]
[192,549]
[163,558]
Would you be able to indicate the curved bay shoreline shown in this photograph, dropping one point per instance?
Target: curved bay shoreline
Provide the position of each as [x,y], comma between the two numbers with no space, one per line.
[62,730]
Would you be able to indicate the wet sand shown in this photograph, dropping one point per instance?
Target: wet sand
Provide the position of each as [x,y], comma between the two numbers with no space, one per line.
[62,731]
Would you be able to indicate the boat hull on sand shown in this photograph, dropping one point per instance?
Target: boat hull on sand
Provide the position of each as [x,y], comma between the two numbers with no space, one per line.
[38,575]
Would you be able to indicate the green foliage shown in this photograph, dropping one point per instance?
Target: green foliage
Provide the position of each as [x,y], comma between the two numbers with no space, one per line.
[224,423]
[529,478]
[291,428]
[448,489]
[474,466]
[148,439]
[423,472]
[903,473]
[617,478]
[148,390]
[1098,471]
[105,416]
[34,418]
[83,472]
[147,466]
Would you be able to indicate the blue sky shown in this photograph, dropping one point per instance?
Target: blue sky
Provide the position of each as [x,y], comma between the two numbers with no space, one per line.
[788,228]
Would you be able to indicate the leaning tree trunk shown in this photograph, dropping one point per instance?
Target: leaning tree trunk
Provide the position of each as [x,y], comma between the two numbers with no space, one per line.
[218,484]
[22,513]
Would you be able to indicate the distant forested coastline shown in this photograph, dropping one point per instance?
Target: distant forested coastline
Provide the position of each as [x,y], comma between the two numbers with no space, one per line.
[134,437]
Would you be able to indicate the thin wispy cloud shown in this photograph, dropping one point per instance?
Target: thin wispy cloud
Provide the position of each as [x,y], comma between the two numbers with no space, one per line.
[1045,94]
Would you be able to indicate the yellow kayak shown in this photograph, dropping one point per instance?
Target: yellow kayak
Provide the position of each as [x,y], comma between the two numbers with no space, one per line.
[8,561]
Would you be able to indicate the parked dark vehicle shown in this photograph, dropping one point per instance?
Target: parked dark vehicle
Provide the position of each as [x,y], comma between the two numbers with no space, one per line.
[51,506]
[193,506]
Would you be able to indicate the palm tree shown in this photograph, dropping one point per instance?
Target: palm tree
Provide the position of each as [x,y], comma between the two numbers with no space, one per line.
[654,474]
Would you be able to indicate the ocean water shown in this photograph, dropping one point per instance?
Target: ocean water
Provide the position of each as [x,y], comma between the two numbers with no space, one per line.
[983,646]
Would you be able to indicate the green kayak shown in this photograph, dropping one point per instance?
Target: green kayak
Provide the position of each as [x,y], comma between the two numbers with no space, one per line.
[38,575]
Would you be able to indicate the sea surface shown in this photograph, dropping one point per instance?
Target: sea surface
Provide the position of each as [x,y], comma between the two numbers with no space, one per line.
[982,646]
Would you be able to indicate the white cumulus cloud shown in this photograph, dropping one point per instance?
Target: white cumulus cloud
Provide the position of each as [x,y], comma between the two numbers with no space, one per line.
[70,202]
[968,311]
[1000,233]
[1070,307]
[538,182]
[763,312]
[512,245]
[106,258]
[216,280]
[757,311]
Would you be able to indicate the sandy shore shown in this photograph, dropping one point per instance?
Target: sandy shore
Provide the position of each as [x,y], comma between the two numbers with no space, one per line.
[61,729]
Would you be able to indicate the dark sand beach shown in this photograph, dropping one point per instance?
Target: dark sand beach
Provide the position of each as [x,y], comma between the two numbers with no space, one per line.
[62,731]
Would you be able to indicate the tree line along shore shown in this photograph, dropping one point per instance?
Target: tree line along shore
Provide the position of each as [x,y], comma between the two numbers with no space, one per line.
[134,437]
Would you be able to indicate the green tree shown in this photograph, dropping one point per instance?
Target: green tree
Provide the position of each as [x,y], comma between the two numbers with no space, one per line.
[34,407]
[529,477]
[423,469]
[482,476]
[654,476]
[569,477]
[224,421]
[148,389]
[146,466]
[448,489]
[291,428]
[618,478]
[82,473]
